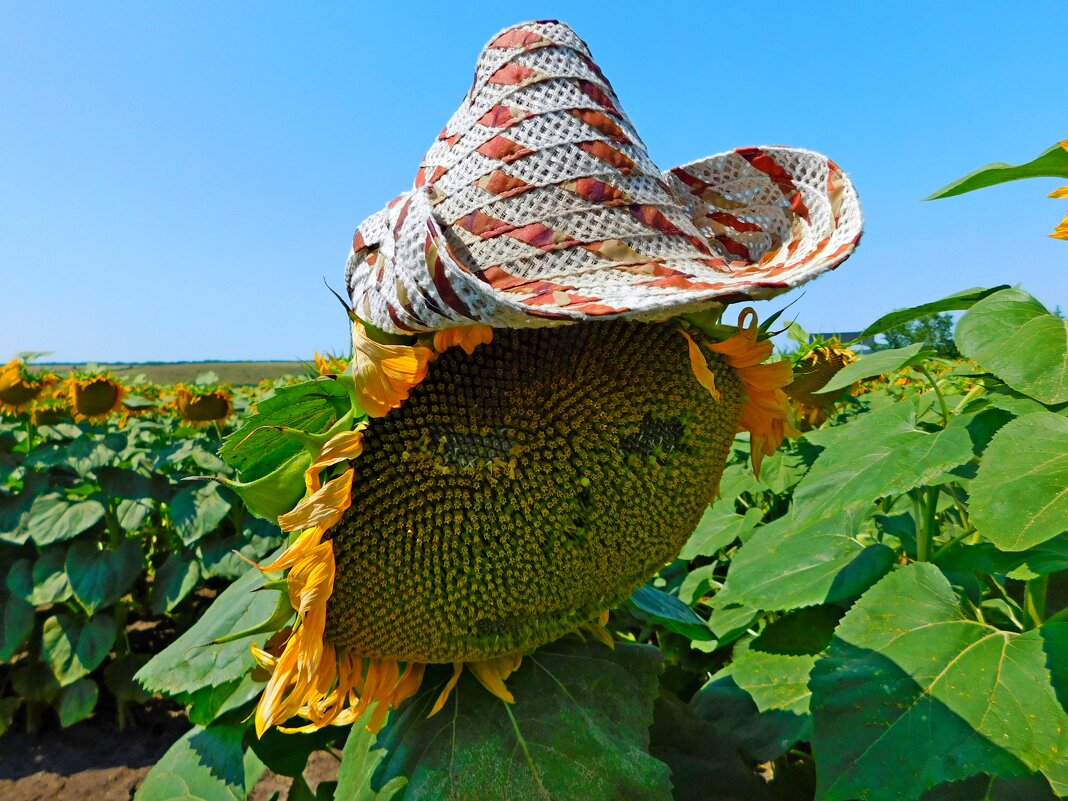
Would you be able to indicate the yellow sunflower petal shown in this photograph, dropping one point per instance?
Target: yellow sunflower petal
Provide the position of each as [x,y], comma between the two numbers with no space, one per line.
[457,669]
[467,337]
[385,374]
[339,448]
[491,674]
[705,377]
[324,507]
[1059,193]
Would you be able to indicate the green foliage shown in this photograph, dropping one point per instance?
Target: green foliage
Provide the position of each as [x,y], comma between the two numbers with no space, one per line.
[98,530]
[1052,163]
[935,331]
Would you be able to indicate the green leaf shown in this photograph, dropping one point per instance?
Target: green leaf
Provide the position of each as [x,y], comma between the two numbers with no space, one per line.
[671,613]
[15,509]
[8,708]
[206,764]
[73,647]
[697,583]
[191,664]
[119,482]
[984,557]
[45,582]
[17,625]
[55,518]
[1014,337]
[359,761]
[77,701]
[790,563]
[579,730]
[718,528]
[759,736]
[255,449]
[1020,495]
[175,579]
[775,681]
[807,631]
[287,754]
[704,766]
[879,363]
[991,788]
[877,454]
[131,514]
[1053,163]
[276,493]
[100,577]
[920,686]
[119,678]
[35,682]
[197,511]
[958,301]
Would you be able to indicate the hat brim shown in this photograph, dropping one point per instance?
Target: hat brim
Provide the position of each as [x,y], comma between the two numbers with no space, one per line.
[774,218]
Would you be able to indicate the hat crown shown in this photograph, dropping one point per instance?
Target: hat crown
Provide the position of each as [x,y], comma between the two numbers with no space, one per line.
[538,203]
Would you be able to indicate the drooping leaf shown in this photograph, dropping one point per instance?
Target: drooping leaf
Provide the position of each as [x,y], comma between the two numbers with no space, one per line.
[206,764]
[77,701]
[1019,496]
[73,647]
[42,581]
[942,697]
[878,363]
[56,518]
[175,579]
[984,557]
[99,577]
[579,730]
[255,449]
[670,612]
[1053,163]
[959,301]
[774,681]
[17,624]
[198,510]
[1014,337]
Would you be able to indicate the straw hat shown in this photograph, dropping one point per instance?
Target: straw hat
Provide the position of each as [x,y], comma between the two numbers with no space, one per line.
[538,204]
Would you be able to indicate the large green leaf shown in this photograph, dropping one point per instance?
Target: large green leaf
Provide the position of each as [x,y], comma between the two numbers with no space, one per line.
[774,681]
[99,577]
[916,684]
[258,447]
[1014,337]
[877,454]
[15,509]
[579,730]
[55,518]
[197,510]
[789,564]
[206,764]
[1020,495]
[718,528]
[670,612]
[878,363]
[958,301]
[1053,163]
[73,647]
[191,663]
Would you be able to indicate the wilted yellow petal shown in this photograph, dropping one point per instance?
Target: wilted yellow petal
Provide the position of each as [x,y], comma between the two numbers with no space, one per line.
[324,507]
[467,337]
[339,448]
[705,377]
[385,374]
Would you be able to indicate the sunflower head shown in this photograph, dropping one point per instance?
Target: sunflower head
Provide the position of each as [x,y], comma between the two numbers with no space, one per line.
[199,406]
[813,370]
[93,396]
[19,387]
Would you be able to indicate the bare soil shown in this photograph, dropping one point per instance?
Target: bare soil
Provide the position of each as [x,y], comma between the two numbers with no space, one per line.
[94,761]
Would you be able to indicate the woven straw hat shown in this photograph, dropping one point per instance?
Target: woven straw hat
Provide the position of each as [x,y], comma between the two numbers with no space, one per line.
[538,204]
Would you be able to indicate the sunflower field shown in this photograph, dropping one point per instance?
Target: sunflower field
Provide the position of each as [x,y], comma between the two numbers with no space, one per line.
[482,564]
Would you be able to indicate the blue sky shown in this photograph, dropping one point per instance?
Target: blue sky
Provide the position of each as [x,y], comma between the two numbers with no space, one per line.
[176,180]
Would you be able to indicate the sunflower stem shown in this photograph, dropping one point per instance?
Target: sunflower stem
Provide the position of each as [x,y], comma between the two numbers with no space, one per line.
[938,392]
[1035,599]
[926,529]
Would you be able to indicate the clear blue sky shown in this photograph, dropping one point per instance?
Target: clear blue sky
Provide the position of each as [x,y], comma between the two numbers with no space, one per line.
[177,179]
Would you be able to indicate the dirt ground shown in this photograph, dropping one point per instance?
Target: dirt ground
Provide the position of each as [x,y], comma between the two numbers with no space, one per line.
[94,761]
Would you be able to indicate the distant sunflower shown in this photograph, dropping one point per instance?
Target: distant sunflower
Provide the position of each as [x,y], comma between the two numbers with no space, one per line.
[199,406]
[508,488]
[93,395]
[811,373]
[19,387]
[1061,231]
